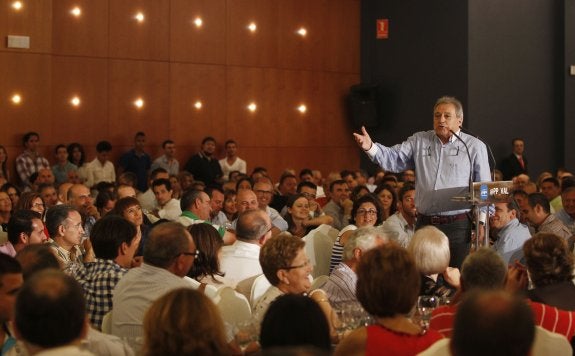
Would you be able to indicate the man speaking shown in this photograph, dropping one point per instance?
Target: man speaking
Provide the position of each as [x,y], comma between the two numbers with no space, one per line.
[444,170]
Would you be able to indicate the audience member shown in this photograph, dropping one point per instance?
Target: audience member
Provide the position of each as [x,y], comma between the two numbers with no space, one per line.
[287,186]
[493,323]
[77,157]
[10,283]
[115,241]
[388,198]
[203,165]
[100,169]
[217,216]
[516,163]
[65,228]
[295,320]
[340,286]
[206,268]
[50,315]
[30,161]
[402,223]
[387,288]
[365,212]
[12,191]
[551,188]
[167,207]
[567,214]
[48,194]
[79,197]
[550,266]
[241,259]
[430,249]
[168,160]
[129,208]
[137,161]
[105,202]
[25,227]
[168,256]
[232,162]
[63,165]
[284,263]
[509,232]
[482,270]
[184,322]
[339,206]
[264,193]
[147,198]
[538,214]
[28,201]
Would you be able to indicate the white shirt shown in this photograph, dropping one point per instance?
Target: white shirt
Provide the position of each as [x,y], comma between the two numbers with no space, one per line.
[97,172]
[147,200]
[240,260]
[135,292]
[171,210]
[238,165]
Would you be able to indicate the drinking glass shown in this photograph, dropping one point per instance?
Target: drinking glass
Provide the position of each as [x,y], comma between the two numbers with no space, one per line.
[425,306]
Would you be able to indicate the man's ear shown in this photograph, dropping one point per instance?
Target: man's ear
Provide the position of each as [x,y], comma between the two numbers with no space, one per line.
[23,238]
[122,249]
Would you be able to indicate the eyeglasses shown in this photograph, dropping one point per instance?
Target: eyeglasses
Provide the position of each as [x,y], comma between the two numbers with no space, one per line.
[305,264]
[75,226]
[264,191]
[196,253]
[366,212]
[308,195]
[38,205]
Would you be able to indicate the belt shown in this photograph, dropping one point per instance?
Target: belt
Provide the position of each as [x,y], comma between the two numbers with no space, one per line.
[441,219]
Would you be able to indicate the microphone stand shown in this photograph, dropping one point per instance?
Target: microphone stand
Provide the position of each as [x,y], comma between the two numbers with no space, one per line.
[475,245]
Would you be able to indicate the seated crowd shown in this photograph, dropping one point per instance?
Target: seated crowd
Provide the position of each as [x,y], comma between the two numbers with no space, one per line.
[145,258]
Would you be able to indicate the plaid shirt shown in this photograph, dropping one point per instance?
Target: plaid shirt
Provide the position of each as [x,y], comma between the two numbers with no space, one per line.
[26,165]
[99,279]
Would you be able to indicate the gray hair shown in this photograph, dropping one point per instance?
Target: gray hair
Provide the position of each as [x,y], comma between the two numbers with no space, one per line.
[453,101]
[430,249]
[364,239]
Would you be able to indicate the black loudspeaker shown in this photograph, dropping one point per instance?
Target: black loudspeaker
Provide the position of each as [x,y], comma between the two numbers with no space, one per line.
[363,105]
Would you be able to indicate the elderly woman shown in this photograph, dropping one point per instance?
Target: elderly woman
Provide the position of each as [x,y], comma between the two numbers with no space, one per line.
[430,250]
[366,211]
[387,288]
[550,266]
[288,269]
[184,322]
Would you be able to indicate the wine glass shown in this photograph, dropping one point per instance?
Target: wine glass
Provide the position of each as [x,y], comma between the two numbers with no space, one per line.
[425,306]
[245,333]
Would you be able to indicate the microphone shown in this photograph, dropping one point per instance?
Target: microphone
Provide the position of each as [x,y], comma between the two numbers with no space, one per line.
[470,164]
[491,156]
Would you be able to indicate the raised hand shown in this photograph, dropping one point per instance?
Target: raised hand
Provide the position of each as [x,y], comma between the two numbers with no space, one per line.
[363,140]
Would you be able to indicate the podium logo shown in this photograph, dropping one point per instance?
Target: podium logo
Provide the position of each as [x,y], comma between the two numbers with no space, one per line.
[483,192]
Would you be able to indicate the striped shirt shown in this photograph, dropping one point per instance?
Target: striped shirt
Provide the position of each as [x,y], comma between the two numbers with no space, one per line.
[548,317]
[340,286]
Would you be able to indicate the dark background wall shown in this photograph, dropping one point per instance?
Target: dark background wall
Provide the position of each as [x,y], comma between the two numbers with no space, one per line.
[505,60]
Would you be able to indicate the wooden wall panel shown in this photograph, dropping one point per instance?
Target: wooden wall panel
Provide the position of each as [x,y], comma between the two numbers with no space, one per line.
[28,75]
[85,35]
[86,78]
[149,39]
[246,85]
[190,83]
[33,20]
[342,51]
[259,48]
[206,44]
[294,50]
[109,60]
[128,81]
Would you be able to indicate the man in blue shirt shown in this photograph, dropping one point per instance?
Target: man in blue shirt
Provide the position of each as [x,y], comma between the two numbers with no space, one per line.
[137,161]
[443,171]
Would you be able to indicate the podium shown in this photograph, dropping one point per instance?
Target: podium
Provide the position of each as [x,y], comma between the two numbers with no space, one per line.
[482,195]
